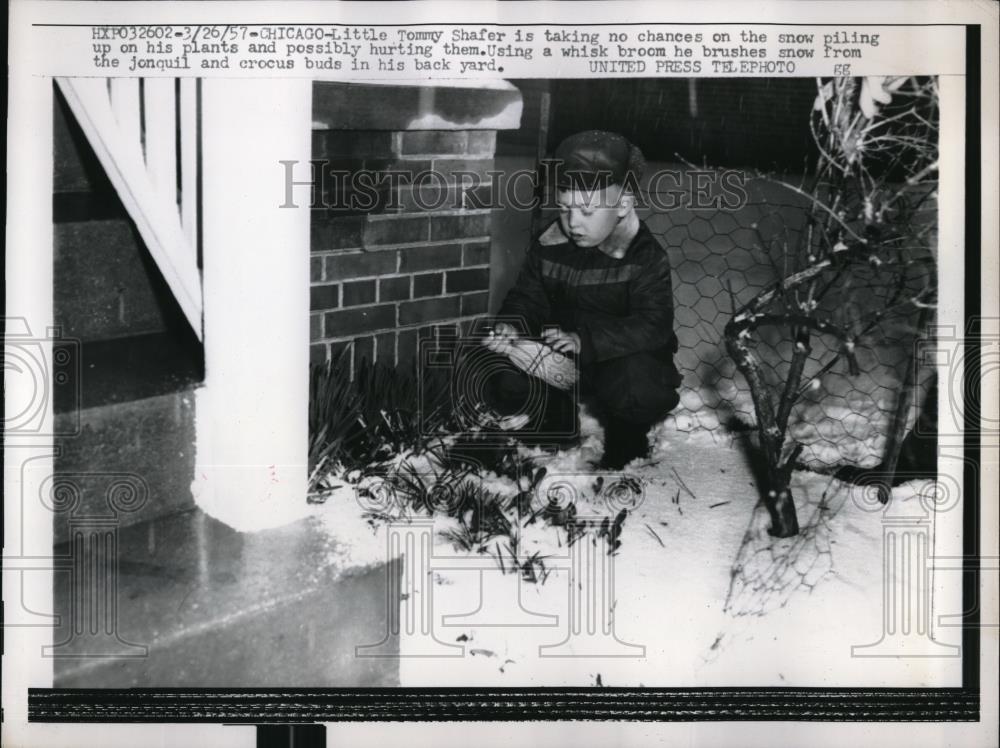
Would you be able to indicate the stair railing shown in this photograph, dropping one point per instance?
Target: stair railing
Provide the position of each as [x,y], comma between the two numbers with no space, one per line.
[144,132]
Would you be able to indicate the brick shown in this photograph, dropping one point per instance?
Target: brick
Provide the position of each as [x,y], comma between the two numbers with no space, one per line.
[385,348]
[346,190]
[318,148]
[364,350]
[459,226]
[447,339]
[475,303]
[464,170]
[362,319]
[401,229]
[394,289]
[328,143]
[447,333]
[430,258]
[377,163]
[406,350]
[428,310]
[360,265]
[428,284]
[429,195]
[324,297]
[359,202]
[328,232]
[317,353]
[336,171]
[483,141]
[315,326]
[426,341]
[411,169]
[480,197]
[359,292]
[434,141]
[475,279]
[340,352]
[315,269]
[427,332]
[477,253]
[333,178]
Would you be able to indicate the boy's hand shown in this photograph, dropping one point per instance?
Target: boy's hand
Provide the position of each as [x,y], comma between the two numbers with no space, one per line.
[563,342]
[500,337]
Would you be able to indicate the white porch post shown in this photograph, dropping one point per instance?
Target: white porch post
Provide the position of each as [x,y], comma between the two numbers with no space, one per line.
[252,412]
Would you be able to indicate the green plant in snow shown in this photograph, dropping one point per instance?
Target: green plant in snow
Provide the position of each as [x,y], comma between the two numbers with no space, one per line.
[358,422]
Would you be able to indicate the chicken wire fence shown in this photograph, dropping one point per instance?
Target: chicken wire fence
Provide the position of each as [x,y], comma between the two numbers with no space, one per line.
[845,410]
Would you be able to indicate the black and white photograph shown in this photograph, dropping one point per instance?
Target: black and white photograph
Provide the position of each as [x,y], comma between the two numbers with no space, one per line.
[476,395]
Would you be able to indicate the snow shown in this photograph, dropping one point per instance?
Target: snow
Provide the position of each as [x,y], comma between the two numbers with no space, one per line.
[698,594]
[789,614]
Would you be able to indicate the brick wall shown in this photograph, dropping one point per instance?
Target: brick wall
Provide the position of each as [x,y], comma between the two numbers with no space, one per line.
[410,264]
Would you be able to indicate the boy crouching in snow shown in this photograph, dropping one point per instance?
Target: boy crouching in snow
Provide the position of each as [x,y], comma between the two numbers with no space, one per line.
[596,287]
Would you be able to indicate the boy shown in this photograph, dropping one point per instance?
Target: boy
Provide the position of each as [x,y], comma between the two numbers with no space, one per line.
[596,286]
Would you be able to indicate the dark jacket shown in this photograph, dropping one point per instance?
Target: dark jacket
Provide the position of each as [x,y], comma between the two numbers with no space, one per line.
[617,306]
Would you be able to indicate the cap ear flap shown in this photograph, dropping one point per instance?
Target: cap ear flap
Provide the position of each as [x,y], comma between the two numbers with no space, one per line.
[631,184]
[626,202]
[636,163]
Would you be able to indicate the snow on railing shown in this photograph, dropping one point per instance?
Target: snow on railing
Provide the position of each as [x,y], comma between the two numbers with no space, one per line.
[145,134]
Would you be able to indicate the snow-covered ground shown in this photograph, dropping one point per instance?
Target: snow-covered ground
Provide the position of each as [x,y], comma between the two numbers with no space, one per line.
[697,594]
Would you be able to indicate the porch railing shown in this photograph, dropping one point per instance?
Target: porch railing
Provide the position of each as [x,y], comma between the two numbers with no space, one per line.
[144,132]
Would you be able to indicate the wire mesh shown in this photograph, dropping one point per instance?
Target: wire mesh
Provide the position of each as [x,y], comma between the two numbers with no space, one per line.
[722,258]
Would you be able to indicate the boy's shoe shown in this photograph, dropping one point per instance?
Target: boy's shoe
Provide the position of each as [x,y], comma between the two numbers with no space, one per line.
[559,426]
[623,442]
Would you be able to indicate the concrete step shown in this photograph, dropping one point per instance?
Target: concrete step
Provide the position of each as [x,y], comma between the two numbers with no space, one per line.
[139,454]
[196,603]
[105,283]
[108,372]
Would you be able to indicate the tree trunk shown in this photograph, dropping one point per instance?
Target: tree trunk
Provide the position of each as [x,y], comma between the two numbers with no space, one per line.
[777,495]
[781,507]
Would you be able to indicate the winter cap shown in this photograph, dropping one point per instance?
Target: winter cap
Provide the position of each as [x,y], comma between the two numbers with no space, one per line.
[595,159]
